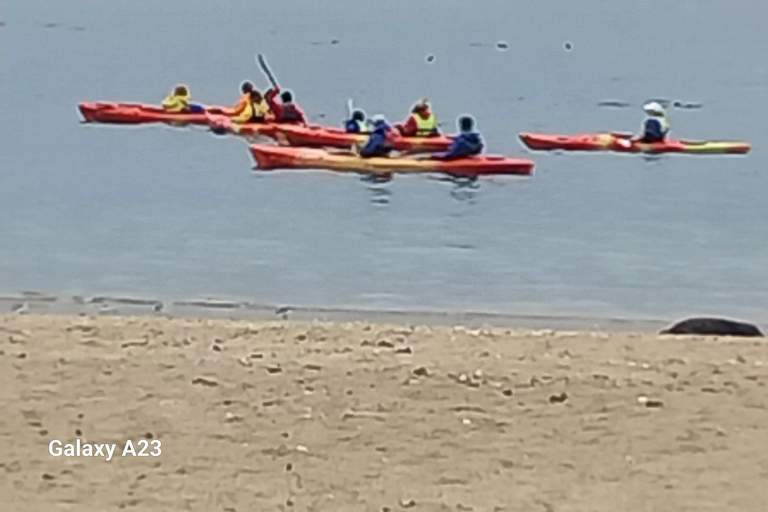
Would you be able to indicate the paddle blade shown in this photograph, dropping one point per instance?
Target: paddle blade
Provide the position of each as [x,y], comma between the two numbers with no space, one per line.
[265,69]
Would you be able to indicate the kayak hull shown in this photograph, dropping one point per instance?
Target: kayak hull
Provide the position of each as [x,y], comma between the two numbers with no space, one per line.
[623,144]
[139,113]
[275,157]
[221,125]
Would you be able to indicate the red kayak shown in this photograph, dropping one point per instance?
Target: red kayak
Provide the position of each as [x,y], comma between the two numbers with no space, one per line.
[138,113]
[623,143]
[222,124]
[322,136]
[275,157]
[325,136]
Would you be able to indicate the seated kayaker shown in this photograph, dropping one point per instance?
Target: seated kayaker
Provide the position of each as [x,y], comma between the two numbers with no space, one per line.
[180,101]
[284,109]
[421,123]
[251,108]
[357,123]
[656,125]
[467,143]
[379,142]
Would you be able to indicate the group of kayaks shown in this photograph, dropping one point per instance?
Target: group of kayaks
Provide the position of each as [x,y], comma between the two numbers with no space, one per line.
[325,147]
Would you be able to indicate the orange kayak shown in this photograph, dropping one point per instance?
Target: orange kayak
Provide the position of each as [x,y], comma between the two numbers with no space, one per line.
[316,136]
[276,157]
[139,113]
[623,143]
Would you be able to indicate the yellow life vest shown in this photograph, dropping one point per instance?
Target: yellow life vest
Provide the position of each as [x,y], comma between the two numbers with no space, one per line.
[174,103]
[252,110]
[262,109]
[664,124]
[426,126]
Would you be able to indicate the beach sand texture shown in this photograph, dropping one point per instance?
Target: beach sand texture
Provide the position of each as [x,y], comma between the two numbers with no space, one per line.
[257,416]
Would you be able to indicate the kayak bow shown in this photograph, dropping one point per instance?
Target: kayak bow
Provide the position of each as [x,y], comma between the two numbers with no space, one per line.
[273,157]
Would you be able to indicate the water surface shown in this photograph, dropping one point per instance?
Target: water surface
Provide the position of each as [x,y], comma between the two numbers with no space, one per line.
[162,212]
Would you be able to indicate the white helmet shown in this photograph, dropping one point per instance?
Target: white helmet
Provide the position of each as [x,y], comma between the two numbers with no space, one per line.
[378,119]
[654,108]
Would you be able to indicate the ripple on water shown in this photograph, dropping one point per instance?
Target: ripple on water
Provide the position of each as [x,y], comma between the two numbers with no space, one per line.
[613,104]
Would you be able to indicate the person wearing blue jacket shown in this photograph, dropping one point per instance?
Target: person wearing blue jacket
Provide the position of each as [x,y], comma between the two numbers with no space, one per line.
[379,142]
[467,143]
[656,125]
[357,123]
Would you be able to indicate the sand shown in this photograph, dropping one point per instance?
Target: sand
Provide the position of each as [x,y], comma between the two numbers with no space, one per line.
[258,416]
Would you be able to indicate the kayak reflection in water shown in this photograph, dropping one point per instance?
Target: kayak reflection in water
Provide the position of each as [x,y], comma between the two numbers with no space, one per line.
[467,143]
[180,101]
[357,123]
[379,143]
[421,123]
[285,110]
[656,125]
[251,108]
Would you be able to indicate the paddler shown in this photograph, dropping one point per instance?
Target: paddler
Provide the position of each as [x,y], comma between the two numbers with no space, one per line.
[656,125]
[357,123]
[467,143]
[180,101]
[284,109]
[421,123]
[251,108]
[379,142]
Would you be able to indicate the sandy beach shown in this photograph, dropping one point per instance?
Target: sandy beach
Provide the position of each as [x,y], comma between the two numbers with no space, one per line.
[373,417]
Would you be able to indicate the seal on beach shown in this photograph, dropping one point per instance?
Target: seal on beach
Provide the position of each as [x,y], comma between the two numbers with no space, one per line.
[713,327]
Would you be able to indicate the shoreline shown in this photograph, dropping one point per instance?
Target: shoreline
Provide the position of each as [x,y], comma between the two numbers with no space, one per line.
[33,302]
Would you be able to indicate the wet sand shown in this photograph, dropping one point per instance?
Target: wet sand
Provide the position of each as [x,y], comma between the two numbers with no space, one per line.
[257,415]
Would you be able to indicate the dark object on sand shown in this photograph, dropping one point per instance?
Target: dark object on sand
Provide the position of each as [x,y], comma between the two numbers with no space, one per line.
[568,46]
[430,59]
[502,46]
[713,327]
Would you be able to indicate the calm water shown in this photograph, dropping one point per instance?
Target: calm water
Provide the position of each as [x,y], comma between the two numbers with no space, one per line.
[167,212]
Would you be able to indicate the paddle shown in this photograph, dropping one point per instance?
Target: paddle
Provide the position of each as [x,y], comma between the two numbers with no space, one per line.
[265,69]
[350,107]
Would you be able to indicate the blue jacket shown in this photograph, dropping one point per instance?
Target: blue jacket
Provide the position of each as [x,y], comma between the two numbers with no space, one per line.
[466,144]
[378,143]
[653,130]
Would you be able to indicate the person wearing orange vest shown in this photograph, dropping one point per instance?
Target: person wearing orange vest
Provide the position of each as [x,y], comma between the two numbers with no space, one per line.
[251,108]
[421,123]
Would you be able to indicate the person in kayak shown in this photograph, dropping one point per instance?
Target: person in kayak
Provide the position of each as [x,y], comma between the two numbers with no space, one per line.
[357,123]
[284,109]
[180,101]
[467,143]
[421,123]
[379,142]
[656,125]
[251,108]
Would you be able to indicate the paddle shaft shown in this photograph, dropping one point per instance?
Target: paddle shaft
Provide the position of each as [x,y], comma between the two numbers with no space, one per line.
[267,72]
